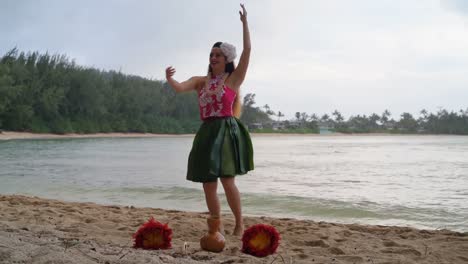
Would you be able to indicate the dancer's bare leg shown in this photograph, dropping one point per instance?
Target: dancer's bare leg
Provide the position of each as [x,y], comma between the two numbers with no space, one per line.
[212,201]
[233,199]
[211,197]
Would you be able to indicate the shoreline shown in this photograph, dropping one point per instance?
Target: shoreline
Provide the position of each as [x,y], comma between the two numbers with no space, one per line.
[11,135]
[38,230]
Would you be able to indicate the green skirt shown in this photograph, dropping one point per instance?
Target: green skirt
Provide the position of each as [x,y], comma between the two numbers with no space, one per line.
[222,148]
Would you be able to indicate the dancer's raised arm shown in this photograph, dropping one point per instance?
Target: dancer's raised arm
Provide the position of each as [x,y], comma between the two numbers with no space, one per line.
[193,83]
[238,75]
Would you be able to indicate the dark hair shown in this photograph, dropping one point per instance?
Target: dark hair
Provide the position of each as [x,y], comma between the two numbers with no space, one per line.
[230,67]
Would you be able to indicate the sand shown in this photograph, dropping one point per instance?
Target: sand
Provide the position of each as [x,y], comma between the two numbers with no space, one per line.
[37,230]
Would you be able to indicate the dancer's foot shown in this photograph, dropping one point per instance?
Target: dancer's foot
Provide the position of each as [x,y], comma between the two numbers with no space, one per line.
[221,229]
[238,230]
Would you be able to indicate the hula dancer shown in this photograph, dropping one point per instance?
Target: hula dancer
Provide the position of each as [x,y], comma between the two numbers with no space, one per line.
[222,147]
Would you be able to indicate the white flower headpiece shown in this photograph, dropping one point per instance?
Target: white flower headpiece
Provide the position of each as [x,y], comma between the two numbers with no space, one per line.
[229,51]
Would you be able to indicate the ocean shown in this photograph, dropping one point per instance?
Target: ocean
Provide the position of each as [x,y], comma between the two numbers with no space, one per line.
[417,181]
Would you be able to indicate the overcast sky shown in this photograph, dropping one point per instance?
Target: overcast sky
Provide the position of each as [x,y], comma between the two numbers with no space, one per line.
[359,56]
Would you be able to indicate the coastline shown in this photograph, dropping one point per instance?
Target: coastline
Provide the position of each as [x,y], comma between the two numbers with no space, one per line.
[11,135]
[37,230]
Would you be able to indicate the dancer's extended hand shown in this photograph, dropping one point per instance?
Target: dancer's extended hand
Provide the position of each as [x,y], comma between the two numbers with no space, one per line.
[170,72]
[243,14]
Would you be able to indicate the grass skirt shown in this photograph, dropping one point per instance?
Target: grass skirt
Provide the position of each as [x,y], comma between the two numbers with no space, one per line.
[222,148]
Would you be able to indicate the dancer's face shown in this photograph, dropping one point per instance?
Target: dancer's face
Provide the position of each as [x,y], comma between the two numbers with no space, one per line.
[217,59]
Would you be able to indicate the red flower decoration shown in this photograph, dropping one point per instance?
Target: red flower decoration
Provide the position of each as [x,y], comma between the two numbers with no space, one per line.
[260,240]
[153,235]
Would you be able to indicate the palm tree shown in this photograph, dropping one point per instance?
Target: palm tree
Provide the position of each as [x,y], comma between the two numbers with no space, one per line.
[268,110]
[373,119]
[298,116]
[385,117]
[249,100]
[407,122]
[280,115]
[338,116]
[325,118]
[313,117]
[422,120]
[326,121]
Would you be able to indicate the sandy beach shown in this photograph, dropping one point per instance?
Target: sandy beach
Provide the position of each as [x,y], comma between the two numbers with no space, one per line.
[36,230]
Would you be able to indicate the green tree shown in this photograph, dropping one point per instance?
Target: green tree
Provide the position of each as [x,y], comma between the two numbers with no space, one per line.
[385,117]
[298,116]
[280,115]
[251,113]
[338,116]
[407,123]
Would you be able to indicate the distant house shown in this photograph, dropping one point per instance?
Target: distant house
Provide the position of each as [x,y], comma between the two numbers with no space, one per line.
[325,130]
[295,124]
[256,126]
[326,127]
[278,125]
[389,125]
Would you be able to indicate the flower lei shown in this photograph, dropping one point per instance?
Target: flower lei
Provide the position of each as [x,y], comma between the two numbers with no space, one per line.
[218,81]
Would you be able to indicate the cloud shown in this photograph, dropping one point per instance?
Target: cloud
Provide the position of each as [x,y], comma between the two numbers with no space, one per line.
[460,6]
[314,56]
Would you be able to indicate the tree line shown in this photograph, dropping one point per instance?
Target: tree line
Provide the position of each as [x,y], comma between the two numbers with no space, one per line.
[46,93]
[441,122]
[52,94]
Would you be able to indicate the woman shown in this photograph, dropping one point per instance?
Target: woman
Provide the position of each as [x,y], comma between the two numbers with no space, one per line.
[222,147]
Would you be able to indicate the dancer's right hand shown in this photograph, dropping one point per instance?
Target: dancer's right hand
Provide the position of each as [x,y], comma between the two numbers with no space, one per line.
[170,72]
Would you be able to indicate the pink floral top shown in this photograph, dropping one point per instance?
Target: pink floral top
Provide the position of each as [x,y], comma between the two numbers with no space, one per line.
[216,101]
